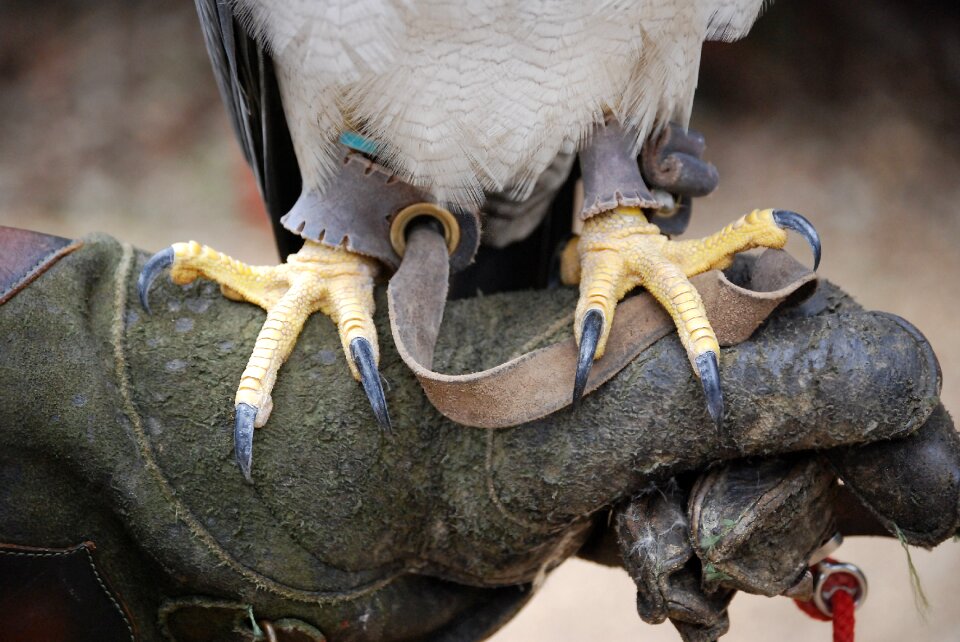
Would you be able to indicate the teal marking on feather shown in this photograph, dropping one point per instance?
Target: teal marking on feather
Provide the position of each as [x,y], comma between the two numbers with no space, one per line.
[353,140]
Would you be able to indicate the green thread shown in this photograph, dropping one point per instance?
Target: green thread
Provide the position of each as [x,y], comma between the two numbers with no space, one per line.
[707,542]
[257,631]
[711,574]
[920,601]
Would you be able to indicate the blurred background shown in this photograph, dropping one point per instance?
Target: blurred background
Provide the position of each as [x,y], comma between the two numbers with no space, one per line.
[846,112]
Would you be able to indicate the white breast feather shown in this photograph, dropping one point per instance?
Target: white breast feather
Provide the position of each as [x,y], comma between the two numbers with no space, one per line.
[467,95]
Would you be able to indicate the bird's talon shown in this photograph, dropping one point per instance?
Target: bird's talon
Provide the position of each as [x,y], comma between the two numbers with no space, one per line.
[793,221]
[151,270]
[243,438]
[361,351]
[590,332]
[709,371]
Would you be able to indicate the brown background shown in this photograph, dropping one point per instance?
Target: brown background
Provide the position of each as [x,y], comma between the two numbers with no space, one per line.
[845,112]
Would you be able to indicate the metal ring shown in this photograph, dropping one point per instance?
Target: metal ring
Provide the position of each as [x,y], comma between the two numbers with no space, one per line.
[826,549]
[822,599]
[398,227]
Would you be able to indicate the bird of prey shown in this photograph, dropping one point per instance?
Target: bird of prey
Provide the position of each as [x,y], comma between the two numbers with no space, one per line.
[359,116]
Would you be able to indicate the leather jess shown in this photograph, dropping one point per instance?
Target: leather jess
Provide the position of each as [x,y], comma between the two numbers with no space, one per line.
[537,383]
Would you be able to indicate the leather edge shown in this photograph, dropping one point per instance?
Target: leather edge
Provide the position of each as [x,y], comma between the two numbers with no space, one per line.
[87,547]
[29,273]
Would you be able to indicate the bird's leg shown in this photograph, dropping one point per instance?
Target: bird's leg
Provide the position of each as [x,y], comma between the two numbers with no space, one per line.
[619,250]
[331,280]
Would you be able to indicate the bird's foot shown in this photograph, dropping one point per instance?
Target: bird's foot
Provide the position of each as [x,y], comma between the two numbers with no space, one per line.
[334,281]
[619,250]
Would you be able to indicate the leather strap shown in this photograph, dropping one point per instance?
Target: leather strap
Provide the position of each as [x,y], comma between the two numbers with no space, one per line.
[357,215]
[669,161]
[673,161]
[538,383]
[25,255]
[611,174]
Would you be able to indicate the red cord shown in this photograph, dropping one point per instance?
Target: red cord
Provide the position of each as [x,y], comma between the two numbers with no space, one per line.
[843,618]
[810,609]
[841,603]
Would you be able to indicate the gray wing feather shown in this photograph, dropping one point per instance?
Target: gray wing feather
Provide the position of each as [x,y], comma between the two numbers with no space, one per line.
[248,87]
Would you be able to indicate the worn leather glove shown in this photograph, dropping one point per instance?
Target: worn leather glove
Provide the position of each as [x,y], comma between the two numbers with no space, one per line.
[114,432]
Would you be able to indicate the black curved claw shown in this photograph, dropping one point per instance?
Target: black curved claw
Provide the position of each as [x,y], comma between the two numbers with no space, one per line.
[157,263]
[709,371]
[796,222]
[243,438]
[362,354]
[589,337]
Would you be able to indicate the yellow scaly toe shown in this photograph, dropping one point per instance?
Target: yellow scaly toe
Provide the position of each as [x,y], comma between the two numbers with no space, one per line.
[620,250]
[330,280]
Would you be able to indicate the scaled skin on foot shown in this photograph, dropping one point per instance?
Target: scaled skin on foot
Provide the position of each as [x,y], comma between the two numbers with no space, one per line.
[620,250]
[334,281]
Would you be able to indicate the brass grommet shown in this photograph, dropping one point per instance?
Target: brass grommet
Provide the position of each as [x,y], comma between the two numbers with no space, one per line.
[398,227]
